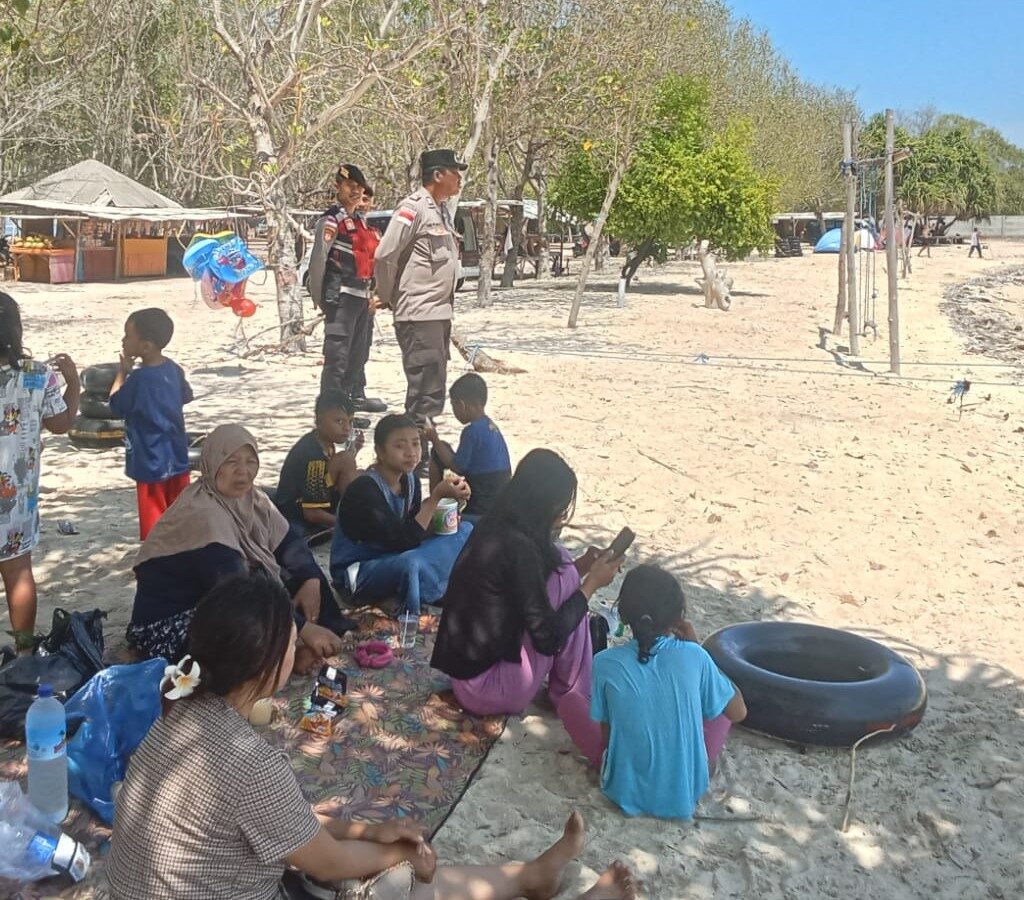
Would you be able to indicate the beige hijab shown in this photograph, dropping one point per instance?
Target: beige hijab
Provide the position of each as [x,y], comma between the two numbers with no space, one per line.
[250,524]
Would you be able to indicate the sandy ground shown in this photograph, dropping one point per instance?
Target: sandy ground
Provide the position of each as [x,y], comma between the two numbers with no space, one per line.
[776,480]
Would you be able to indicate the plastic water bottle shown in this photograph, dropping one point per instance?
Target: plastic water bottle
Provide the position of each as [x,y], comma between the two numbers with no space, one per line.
[45,740]
[32,848]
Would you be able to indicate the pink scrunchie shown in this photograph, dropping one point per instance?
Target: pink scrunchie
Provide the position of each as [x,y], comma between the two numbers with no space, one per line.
[373,655]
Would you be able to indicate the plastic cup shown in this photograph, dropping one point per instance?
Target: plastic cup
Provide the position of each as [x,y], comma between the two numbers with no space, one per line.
[409,624]
[446,516]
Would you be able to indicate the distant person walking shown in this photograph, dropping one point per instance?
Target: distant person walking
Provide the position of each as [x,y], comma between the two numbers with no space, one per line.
[417,265]
[975,243]
[926,240]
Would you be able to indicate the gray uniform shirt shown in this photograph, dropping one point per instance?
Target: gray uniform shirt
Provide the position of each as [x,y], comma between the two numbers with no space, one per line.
[417,262]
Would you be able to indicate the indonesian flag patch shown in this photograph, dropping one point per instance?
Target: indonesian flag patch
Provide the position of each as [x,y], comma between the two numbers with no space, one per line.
[406,216]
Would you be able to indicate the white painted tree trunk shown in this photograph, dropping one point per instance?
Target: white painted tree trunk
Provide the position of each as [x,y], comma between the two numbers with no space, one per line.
[595,239]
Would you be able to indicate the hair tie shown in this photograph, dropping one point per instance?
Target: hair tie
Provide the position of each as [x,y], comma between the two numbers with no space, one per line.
[647,617]
[182,682]
[373,655]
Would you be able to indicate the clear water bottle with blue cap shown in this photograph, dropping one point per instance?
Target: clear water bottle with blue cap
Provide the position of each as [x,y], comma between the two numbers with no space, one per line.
[46,728]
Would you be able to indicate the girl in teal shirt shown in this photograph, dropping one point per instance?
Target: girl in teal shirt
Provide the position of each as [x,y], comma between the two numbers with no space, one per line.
[664,706]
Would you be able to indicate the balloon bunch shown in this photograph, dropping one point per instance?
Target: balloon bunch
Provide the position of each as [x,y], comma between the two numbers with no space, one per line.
[222,264]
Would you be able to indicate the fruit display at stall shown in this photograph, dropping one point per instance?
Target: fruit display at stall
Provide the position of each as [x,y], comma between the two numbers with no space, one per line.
[32,242]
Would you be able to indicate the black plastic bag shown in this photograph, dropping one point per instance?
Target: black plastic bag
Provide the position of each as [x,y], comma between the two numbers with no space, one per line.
[66,658]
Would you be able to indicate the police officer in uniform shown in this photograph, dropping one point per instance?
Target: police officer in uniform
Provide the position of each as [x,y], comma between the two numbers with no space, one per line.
[417,266]
[340,274]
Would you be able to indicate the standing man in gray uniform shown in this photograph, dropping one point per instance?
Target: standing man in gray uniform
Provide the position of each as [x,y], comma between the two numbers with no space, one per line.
[417,266]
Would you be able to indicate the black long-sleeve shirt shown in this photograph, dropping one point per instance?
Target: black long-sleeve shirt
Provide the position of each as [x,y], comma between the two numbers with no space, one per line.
[497,594]
[365,516]
[168,585]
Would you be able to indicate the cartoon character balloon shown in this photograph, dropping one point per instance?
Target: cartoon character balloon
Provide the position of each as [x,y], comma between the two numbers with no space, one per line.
[222,264]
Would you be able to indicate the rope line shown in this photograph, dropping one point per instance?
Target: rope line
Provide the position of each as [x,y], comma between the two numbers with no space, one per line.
[735,362]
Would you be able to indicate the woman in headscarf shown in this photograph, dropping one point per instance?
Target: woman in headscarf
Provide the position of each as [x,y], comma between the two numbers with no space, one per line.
[223,525]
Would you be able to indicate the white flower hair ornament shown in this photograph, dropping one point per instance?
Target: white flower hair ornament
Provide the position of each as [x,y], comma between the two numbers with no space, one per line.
[180,680]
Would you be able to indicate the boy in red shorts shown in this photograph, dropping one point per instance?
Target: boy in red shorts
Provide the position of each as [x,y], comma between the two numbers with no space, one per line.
[151,399]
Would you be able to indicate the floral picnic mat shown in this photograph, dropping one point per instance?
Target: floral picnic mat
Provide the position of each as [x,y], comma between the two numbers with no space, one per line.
[400,748]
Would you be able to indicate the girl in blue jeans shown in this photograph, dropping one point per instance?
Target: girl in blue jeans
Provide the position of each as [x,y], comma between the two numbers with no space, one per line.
[383,546]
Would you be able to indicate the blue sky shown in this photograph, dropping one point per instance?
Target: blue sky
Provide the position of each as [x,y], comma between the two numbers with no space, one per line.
[961,56]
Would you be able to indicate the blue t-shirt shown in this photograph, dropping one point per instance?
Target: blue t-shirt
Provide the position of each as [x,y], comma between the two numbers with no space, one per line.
[483,459]
[656,763]
[482,449]
[151,402]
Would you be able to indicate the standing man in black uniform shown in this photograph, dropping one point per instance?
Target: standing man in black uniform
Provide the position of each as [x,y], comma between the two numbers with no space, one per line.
[340,273]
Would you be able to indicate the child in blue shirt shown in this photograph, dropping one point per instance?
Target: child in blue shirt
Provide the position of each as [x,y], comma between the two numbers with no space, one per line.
[664,706]
[151,401]
[482,458]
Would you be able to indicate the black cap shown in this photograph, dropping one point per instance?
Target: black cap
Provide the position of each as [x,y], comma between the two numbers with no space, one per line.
[440,159]
[349,172]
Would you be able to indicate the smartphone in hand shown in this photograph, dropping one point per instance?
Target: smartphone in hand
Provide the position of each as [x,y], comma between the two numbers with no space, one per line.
[623,541]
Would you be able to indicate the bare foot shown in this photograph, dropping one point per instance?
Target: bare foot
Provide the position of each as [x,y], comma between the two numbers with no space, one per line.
[543,877]
[616,883]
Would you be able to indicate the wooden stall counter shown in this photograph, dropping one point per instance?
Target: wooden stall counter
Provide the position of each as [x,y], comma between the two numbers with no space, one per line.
[55,266]
[143,256]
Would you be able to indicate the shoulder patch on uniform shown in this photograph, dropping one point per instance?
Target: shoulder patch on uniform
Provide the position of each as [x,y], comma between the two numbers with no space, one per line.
[406,216]
[330,230]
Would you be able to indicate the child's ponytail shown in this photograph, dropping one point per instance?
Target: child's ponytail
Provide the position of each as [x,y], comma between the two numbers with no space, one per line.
[650,603]
[646,634]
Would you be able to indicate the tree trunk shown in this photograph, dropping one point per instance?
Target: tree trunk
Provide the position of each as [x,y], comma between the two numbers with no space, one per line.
[516,229]
[600,251]
[281,233]
[508,273]
[634,261]
[542,223]
[281,253]
[483,287]
[588,257]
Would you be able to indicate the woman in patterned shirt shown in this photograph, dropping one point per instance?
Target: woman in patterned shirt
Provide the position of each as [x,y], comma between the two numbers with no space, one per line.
[31,400]
[208,809]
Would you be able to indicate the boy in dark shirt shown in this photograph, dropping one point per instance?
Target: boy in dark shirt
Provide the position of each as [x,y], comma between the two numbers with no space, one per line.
[482,457]
[151,401]
[319,468]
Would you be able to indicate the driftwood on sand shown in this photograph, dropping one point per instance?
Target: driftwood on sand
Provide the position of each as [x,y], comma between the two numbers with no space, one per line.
[481,361]
[716,284]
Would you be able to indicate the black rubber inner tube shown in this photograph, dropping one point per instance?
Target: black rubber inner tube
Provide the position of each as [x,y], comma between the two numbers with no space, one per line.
[813,685]
[94,406]
[99,379]
[96,434]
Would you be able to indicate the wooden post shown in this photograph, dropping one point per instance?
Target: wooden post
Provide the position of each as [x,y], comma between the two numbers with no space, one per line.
[117,250]
[79,261]
[850,235]
[837,327]
[890,246]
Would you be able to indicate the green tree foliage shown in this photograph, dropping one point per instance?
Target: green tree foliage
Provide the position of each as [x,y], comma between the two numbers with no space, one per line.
[684,182]
[948,174]
[11,11]
[1006,159]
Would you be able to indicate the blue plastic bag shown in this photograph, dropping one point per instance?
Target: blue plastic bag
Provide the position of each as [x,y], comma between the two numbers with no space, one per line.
[114,711]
